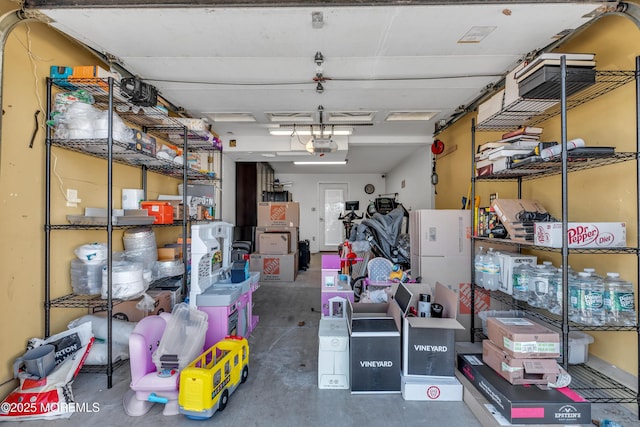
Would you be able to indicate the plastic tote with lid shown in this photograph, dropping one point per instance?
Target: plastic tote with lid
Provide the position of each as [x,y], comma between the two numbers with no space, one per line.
[183,339]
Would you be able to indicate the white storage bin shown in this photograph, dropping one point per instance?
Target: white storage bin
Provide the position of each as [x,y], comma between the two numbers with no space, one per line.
[483,315]
[579,347]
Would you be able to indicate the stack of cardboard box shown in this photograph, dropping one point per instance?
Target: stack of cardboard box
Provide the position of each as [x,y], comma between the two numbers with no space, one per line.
[522,351]
[519,375]
[276,241]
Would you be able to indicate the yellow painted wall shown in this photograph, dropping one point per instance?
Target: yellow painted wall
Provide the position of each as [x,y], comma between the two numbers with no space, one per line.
[29,52]
[603,194]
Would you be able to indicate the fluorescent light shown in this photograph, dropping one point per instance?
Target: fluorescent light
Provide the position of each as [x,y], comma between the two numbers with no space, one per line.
[410,115]
[343,162]
[230,117]
[307,132]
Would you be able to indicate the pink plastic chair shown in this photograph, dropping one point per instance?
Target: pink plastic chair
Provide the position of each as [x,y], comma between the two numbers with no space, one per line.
[147,387]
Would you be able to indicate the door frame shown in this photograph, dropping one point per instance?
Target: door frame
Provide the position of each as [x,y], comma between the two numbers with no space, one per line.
[320,198]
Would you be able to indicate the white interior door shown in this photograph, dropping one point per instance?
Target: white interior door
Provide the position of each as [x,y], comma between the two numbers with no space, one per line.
[330,228]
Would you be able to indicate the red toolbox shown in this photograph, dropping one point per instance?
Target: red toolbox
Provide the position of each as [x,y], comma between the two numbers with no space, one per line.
[161,210]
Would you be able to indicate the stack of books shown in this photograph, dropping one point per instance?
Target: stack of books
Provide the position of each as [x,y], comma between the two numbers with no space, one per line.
[495,156]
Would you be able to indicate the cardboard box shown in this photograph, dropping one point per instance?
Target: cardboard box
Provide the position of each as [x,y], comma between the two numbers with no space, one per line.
[293,232]
[275,268]
[523,338]
[274,243]
[333,354]
[452,271]
[285,214]
[169,253]
[95,74]
[508,262]
[131,198]
[581,234]
[521,404]
[428,344]
[127,310]
[178,209]
[508,211]
[519,371]
[174,288]
[440,232]
[443,389]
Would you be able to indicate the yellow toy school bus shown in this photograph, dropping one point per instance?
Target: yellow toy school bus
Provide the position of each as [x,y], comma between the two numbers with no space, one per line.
[208,381]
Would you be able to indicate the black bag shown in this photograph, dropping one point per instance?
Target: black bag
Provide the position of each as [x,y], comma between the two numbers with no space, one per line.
[304,254]
[139,93]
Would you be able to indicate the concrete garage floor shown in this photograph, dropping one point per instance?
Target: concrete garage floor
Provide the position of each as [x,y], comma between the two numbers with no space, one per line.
[282,386]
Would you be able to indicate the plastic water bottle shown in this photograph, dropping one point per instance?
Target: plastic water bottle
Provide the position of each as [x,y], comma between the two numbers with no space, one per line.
[592,272]
[491,274]
[479,260]
[521,276]
[539,285]
[556,290]
[619,301]
[575,297]
[591,302]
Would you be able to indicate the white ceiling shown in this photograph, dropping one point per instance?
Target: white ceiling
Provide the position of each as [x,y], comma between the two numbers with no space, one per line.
[377,58]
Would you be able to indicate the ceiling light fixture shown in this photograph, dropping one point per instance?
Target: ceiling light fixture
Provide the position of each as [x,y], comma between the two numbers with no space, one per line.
[410,116]
[343,162]
[327,131]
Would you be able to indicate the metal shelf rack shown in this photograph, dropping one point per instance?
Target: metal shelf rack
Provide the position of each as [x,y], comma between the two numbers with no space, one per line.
[534,111]
[152,120]
[594,386]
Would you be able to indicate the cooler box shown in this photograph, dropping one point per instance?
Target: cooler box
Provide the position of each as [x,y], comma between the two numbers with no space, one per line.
[333,354]
[375,355]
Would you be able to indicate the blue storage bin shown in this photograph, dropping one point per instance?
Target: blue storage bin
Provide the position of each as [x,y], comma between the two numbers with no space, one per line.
[62,73]
[239,271]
